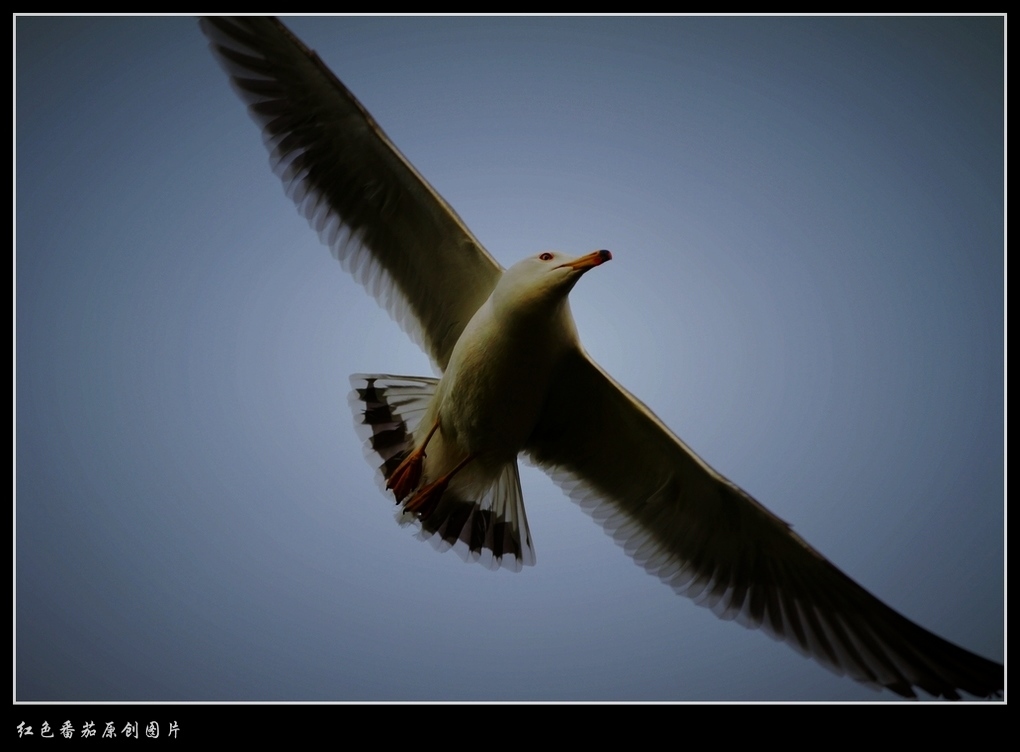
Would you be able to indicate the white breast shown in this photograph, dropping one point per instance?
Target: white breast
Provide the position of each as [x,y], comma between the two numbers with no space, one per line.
[495,386]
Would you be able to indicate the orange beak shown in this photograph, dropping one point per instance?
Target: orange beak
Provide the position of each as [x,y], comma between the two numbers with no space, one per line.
[587,262]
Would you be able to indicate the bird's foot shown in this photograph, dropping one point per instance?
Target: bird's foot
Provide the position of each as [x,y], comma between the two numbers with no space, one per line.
[405,478]
[427,499]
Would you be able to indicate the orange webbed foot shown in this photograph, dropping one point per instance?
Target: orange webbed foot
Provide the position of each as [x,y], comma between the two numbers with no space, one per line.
[427,499]
[405,478]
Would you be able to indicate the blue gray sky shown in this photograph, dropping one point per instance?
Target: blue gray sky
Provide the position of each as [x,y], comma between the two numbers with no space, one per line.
[806,217]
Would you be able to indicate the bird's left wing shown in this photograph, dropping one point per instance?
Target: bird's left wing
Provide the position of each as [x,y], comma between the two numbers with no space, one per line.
[709,540]
[381,219]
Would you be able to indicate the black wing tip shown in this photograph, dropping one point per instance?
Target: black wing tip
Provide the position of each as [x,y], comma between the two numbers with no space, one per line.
[883,651]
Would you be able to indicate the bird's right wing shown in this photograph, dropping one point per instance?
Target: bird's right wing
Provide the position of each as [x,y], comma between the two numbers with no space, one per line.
[381,219]
[709,540]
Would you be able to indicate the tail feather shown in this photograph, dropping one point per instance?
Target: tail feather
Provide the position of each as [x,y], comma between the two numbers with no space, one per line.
[492,530]
[388,409]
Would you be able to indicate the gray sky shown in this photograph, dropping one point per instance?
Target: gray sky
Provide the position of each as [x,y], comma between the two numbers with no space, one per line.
[806,217]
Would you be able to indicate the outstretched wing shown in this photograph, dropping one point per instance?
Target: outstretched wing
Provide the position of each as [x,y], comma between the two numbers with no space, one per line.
[380,218]
[709,540]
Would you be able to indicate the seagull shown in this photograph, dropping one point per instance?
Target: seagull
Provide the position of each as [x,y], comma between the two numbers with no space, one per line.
[515,380]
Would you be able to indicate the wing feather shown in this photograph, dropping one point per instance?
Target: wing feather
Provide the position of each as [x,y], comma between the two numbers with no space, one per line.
[379,217]
[711,541]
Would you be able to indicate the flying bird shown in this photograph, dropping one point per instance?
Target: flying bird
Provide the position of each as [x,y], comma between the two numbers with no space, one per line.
[515,380]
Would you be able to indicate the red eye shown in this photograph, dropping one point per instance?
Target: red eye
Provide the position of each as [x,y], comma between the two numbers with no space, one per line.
[546,256]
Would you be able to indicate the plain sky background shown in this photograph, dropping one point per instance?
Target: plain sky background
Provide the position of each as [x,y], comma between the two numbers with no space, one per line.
[806,218]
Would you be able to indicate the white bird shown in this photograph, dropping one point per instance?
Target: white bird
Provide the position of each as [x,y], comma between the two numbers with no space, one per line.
[515,379]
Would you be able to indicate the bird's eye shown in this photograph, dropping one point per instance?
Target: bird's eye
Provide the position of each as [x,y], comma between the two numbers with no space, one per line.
[546,256]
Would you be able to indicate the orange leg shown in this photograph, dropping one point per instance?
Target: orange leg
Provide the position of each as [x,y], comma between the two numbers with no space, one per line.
[425,501]
[405,478]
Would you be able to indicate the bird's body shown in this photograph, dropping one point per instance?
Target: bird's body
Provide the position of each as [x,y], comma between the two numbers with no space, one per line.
[492,394]
[489,398]
[515,379]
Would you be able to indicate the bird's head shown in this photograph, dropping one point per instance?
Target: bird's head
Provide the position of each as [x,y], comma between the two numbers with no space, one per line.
[543,280]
